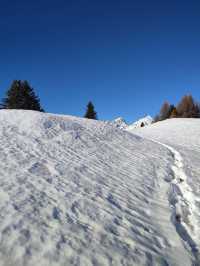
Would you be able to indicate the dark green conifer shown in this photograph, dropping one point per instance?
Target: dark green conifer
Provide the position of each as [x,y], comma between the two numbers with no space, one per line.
[90,112]
[22,96]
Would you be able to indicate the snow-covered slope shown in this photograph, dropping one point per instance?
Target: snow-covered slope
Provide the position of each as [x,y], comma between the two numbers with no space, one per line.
[182,138]
[81,192]
[145,121]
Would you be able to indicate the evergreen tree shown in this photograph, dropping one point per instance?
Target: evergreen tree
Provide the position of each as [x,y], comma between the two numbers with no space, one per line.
[171,109]
[22,96]
[174,113]
[90,112]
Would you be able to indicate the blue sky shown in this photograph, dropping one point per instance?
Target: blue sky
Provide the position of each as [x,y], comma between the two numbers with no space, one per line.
[125,56]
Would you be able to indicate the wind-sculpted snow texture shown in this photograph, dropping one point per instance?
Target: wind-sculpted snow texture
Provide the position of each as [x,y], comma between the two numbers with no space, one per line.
[182,138]
[81,192]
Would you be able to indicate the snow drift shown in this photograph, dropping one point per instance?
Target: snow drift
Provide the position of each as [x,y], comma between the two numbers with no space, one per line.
[82,192]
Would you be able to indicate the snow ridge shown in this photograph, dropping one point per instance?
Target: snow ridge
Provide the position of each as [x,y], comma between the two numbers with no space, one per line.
[145,121]
[120,123]
[142,122]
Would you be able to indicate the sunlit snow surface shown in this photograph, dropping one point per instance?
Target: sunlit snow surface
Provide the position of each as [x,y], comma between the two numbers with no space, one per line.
[182,138]
[81,192]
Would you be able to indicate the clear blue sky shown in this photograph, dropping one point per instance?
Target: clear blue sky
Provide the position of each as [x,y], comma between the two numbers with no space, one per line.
[125,56]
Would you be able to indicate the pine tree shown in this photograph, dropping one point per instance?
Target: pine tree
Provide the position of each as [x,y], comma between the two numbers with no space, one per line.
[90,112]
[22,96]
[174,113]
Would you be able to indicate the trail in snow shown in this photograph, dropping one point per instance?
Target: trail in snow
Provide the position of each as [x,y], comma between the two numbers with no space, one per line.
[181,200]
[181,135]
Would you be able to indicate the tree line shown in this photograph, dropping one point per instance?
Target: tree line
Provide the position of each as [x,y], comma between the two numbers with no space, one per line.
[186,108]
[22,96]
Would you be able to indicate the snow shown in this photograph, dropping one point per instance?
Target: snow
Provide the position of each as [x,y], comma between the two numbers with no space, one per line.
[181,138]
[145,121]
[120,123]
[75,191]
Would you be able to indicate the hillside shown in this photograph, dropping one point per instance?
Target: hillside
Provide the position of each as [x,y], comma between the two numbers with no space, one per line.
[82,192]
[181,138]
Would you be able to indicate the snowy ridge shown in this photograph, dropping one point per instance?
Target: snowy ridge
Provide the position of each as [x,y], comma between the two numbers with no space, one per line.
[120,123]
[145,121]
[82,192]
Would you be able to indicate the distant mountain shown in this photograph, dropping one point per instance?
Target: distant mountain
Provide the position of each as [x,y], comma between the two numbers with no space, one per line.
[143,122]
[120,123]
